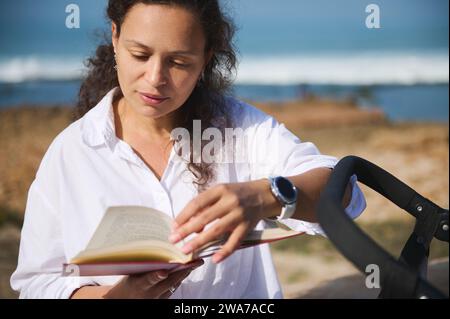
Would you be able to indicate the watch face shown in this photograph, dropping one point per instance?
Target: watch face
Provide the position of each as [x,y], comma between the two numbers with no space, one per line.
[286,188]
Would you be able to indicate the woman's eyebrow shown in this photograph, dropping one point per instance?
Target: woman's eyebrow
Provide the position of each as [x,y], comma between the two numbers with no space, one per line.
[178,52]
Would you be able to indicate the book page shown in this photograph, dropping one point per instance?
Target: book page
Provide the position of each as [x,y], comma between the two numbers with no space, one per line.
[273,231]
[124,224]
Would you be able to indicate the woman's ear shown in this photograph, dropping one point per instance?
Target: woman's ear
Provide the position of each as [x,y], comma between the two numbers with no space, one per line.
[114,35]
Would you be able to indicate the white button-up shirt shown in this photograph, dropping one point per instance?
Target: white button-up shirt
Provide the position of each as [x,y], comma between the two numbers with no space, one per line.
[87,168]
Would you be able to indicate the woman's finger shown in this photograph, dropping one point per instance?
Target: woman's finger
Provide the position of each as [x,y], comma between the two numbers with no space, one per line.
[202,200]
[197,223]
[218,229]
[148,280]
[166,288]
[232,243]
[168,293]
[174,280]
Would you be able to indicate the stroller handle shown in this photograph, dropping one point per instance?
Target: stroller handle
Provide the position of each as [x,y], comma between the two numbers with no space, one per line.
[401,278]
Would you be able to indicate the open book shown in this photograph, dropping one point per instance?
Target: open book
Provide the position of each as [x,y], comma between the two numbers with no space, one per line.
[134,239]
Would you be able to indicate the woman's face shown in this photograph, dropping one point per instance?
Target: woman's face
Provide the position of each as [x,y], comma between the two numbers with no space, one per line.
[161,53]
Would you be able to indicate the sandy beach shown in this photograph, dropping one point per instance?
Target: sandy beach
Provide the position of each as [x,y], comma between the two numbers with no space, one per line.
[417,153]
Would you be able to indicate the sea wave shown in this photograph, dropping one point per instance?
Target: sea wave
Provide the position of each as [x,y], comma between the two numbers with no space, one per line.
[335,69]
[34,68]
[352,69]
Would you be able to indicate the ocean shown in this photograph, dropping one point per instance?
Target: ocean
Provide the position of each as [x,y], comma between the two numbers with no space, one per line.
[286,48]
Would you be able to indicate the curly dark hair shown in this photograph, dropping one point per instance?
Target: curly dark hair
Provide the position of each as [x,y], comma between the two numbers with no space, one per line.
[207,101]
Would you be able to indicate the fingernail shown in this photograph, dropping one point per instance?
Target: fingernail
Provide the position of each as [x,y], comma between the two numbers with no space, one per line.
[174,225]
[217,258]
[174,238]
[162,275]
[187,248]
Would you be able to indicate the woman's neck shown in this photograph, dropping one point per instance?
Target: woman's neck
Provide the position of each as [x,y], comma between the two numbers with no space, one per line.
[128,123]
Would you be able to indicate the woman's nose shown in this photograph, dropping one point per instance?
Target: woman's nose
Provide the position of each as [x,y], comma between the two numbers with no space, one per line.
[156,73]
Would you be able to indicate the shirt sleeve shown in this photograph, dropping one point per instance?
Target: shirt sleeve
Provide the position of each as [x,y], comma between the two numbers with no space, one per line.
[41,253]
[281,153]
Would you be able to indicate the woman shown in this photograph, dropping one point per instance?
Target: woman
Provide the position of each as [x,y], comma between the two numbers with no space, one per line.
[168,65]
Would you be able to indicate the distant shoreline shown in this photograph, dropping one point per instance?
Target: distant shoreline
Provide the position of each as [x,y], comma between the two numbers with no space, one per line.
[399,103]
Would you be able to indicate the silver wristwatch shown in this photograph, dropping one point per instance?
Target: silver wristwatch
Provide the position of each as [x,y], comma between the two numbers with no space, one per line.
[286,193]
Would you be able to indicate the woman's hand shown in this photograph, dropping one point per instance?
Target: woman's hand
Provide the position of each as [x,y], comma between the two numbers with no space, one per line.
[151,285]
[236,208]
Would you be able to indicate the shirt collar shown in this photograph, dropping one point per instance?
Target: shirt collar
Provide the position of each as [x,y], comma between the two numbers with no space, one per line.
[97,126]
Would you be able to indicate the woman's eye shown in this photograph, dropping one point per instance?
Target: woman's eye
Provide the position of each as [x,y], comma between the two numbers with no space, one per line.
[140,57]
[179,63]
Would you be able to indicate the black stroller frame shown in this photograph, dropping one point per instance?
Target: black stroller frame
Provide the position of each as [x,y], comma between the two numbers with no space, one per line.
[400,278]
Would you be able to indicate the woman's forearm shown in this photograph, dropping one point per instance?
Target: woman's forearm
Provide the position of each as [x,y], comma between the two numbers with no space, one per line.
[309,185]
[91,292]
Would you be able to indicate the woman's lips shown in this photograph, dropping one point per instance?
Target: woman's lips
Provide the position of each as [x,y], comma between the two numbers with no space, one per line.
[152,99]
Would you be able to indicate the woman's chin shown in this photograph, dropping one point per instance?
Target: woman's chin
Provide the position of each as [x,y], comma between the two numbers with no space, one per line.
[150,111]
